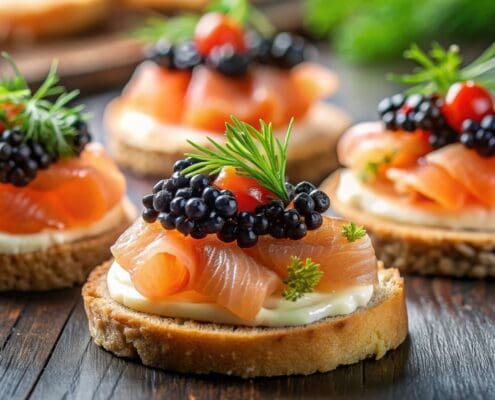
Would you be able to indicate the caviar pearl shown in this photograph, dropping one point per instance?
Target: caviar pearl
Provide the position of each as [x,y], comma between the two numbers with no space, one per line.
[321,201]
[167,220]
[304,203]
[177,205]
[246,238]
[304,187]
[195,208]
[228,233]
[184,225]
[313,220]
[149,215]
[226,205]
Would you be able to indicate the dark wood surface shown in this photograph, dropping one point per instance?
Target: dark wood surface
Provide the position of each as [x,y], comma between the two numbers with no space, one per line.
[46,351]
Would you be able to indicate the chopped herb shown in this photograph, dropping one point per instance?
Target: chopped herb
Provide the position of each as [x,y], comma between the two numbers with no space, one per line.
[303,277]
[352,232]
[372,168]
[51,123]
[440,68]
[254,153]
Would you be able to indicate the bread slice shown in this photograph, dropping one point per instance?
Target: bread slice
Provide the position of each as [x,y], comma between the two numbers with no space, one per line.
[419,249]
[191,346]
[312,153]
[61,265]
[22,20]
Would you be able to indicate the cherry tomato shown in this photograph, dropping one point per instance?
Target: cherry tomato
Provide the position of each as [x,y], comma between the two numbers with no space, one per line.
[466,100]
[248,192]
[215,29]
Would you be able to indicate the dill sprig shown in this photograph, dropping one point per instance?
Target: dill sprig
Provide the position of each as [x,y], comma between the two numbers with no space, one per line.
[352,232]
[302,278]
[440,68]
[50,123]
[180,28]
[253,153]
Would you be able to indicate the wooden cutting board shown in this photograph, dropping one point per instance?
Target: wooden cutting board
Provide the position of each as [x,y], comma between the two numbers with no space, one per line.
[106,56]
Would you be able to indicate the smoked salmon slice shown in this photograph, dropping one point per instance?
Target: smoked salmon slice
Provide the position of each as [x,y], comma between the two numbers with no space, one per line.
[369,142]
[432,182]
[164,263]
[158,92]
[73,192]
[344,263]
[474,173]
[205,99]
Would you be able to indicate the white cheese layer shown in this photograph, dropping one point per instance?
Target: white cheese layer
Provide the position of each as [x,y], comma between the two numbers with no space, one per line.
[353,192]
[276,311]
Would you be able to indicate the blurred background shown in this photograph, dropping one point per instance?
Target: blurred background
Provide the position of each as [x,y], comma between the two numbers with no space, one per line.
[97,49]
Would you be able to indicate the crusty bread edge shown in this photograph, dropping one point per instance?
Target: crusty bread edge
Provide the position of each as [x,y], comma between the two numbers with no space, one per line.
[190,346]
[311,157]
[61,265]
[53,19]
[420,249]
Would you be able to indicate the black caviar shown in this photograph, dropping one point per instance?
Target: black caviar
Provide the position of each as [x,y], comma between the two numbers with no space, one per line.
[195,207]
[284,50]
[21,158]
[480,136]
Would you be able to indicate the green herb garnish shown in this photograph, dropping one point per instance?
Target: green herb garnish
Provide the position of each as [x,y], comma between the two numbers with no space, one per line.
[371,168]
[352,232]
[50,123]
[253,153]
[302,278]
[181,28]
[440,68]
[174,29]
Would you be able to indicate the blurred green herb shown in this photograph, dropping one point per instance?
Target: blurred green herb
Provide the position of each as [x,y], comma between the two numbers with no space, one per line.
[180,28]
[379,30]
[371,168]
[174,29]
[440,68]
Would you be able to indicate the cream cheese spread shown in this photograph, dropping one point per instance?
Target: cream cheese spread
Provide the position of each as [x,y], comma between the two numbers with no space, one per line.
[353,192]
[276,311]
[24,243]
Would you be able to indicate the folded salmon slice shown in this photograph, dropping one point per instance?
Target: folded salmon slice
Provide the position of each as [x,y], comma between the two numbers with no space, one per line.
[73,192]
[164,263]
[474,173]
[432,182]
[344,263]
[369,142]
[206,99]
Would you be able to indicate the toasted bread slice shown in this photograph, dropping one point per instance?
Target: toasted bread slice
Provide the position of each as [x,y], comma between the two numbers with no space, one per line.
[61,265]
[312,153]
[25,20]
[191,346]
[419,249]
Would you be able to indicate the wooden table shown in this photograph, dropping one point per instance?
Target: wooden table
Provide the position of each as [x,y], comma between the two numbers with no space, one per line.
[46,351]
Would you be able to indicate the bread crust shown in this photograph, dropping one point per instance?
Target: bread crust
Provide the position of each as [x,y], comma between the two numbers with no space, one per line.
[191,346]
[57,18]
[312,155]
[420,249]
[61,265]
